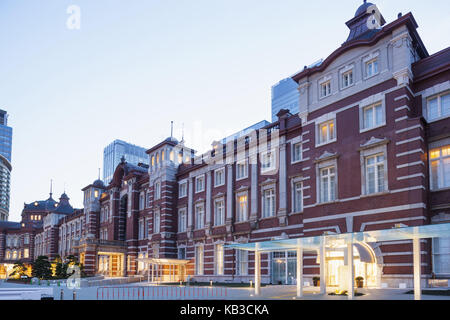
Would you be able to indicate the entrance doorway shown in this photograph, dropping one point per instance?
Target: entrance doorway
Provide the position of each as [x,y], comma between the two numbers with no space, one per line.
[110,264]
[284,267]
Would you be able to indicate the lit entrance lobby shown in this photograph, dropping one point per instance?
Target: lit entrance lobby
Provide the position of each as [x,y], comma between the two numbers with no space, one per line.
[341,257]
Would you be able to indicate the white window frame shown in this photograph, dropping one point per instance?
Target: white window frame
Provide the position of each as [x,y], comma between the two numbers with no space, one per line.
[439,106]
[364,155]
[197,179]
[372,62]
[272,213]
[222,182]
[182,186]
[222,219]
[441,172]
[347,79]
[182,220]
[328,138]
[294,159]
[157,187]
[199,260]
[199,223]
[263,160]
[375,166]
[157,222]
[373,106]
[327,84]
[219,259]
[294,184]
[242,262]
[241,216]
[238,164]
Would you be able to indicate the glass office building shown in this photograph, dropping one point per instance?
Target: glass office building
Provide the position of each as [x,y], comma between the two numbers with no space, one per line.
[113,153]
[285,96]
[5,164]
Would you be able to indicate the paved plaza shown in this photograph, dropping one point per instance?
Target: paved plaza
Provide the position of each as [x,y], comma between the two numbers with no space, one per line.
[162,292]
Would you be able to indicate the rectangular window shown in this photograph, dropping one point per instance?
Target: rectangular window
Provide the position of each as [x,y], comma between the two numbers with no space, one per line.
[181,253]
[26,253]
[141,229]
[199,260]
[441,256]
[157,222]
[347,79]
[182,220]
[298,196]
[157,190]
[440,168]
[141,202]
[371,68]
[268,203]
[327,132]
[219,177]
[182,190]
[327,184]
[267,161]
[241,262]
[219,212]
[218,259]
[373,116]
[242,208]
[199,216]
[375,174]
[241,170]
[439,106]
[297,152]
[325,89]
[200,184]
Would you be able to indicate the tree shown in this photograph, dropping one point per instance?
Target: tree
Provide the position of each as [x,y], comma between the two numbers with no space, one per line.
[60,268]
[19,270]
[42,269]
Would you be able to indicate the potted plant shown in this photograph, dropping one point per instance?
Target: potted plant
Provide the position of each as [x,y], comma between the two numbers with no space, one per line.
[359,282]
[316,281]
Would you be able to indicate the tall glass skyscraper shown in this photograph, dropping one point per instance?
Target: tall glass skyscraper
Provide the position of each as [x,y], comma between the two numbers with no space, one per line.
[5,164]
[285,96]
[113,153]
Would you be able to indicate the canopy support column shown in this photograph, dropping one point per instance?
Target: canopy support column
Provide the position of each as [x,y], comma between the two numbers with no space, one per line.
[323,285]
[417,269]
[257,271]
[299,270]
[351,270]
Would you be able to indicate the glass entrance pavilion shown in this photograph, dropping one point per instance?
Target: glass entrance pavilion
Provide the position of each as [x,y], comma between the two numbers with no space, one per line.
[352,244]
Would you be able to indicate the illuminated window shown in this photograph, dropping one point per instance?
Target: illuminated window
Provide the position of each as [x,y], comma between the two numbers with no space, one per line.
[218,259]
[96,193]
[440,168]
[326,132]
[172,156]
[26,253]
[242,208]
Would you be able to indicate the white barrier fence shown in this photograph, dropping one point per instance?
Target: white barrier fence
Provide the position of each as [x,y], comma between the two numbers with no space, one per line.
[25,294]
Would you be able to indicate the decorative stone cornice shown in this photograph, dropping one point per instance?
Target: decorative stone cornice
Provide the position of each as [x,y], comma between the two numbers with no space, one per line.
[373,142]
[326,156]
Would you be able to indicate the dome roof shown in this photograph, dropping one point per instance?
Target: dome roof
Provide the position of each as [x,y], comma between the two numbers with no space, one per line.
[98,183]
[363,8]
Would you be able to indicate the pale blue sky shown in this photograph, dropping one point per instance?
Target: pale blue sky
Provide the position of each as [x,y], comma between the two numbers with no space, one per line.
[136,65]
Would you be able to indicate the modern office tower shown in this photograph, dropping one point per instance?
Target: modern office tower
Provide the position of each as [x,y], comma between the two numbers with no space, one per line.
[245,131]
[114,152]
[285,96]
[5,164]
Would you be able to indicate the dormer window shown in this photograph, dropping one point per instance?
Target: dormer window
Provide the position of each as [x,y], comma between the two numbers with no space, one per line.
[325,89]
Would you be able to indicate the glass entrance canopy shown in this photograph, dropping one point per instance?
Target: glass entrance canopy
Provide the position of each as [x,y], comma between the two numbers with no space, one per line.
[341,240]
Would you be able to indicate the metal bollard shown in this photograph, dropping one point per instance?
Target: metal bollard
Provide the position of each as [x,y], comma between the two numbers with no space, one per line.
[62,295]
[74,295]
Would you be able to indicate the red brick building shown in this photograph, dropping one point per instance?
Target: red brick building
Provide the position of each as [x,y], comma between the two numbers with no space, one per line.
[369,150]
